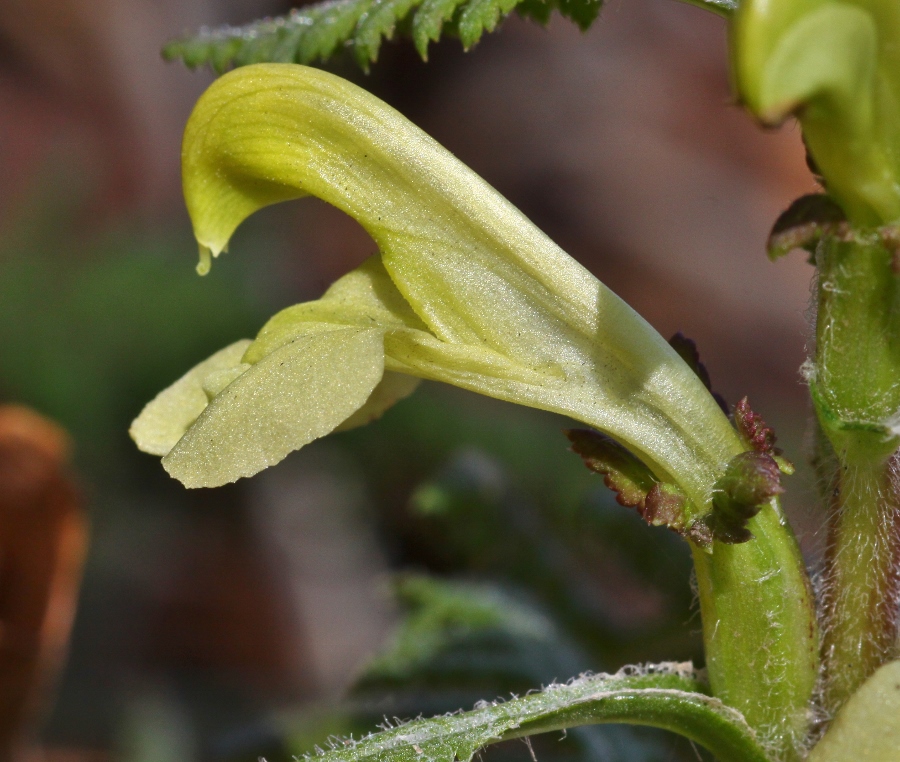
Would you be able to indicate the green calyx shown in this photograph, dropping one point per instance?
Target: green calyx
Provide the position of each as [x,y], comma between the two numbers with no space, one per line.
[749,481]
[835,64]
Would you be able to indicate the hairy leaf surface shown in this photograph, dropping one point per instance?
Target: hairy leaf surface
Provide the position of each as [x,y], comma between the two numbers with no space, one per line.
[666,696]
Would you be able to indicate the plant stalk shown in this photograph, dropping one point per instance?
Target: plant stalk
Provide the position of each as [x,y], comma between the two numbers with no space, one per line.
[760,633]
[862,583]
[855,387]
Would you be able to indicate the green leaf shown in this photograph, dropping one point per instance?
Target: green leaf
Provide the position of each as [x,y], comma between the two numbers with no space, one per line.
[316,31]
[582,12]
[327,26]
[538,10]
[429,21]
[460,641]
[303,36]
[719,7]
[465,632]
[868,726]
[378,22]
[666,696]
[479,16]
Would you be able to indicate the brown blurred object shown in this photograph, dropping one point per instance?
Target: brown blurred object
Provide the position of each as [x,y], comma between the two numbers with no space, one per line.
[43,537]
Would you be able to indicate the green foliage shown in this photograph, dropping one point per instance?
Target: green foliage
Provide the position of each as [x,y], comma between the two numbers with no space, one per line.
[459,642]
[720,7]
[666,695]
[316,32]
[466,634]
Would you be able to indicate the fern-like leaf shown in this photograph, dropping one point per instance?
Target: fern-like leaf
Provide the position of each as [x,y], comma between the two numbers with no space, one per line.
[379,23]
[315,32]
[429,22]
[666,696]
[303,36]
[480,16]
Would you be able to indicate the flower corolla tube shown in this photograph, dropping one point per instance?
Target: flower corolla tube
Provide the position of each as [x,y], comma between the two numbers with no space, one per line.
[464,289]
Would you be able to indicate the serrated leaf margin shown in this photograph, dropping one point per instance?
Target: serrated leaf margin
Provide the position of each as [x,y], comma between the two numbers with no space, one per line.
[315,32]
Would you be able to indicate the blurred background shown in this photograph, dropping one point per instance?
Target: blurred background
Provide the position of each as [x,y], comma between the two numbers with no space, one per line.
[455,550]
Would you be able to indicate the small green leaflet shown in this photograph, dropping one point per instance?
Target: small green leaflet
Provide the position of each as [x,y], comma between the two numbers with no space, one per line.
[479,16]
[376,24]
[429,21]
[665,696]
[315,32]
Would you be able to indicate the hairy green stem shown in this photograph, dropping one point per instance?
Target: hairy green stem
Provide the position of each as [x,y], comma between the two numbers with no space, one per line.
[760,632]
[857,396]
[862,583]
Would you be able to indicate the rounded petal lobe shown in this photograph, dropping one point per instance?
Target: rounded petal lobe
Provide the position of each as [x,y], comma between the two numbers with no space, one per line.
[164,419]
[868,726]
[298,393]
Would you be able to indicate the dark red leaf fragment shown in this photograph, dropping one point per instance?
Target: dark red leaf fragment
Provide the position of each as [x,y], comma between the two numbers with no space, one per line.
[687,351]
[622,472]
[634,485]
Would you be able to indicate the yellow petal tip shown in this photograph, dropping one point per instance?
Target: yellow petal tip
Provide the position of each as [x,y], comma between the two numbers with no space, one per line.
[205,263]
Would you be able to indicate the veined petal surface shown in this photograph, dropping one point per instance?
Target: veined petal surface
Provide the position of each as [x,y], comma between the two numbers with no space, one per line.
[478,295]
